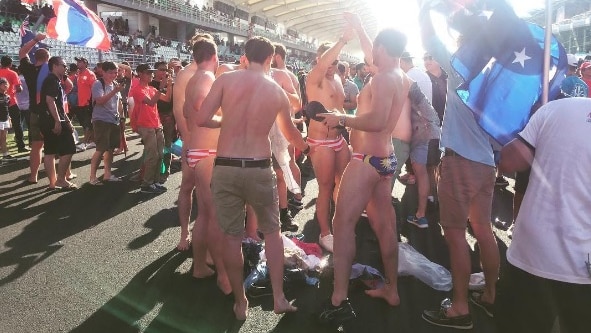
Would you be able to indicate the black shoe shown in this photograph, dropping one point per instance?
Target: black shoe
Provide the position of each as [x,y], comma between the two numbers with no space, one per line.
[501,181]
[476,299]
[439,317]
[287,221]
[336,315]
[24,150]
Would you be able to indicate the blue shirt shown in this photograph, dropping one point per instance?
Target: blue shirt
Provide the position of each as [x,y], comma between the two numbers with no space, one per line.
[459,131]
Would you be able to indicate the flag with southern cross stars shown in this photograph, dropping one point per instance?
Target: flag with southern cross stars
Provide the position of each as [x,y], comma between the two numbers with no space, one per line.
[501,62]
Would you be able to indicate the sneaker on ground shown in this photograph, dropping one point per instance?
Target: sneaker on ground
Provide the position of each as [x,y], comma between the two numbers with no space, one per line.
[160,186]
[510,231]
[336,315]
[439,317]
[420,222]
[326,242]
[287,223]
[501,181]
[151,189]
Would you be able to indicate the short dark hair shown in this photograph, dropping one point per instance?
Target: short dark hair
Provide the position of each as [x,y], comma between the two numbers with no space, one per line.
[55,60]
[204,49]
[258,49]
[280,50]
[108,66]
[160,63]
[360,66]
[6,61]
[392,40]
[41,54]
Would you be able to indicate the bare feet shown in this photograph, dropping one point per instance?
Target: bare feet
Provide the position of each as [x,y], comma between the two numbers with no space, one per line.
[390,296]
[202,272]
[184,244]
[283,306]
[241,310]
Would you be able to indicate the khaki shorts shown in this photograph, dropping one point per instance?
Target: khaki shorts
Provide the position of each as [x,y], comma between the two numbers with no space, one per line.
[463,185]
[34,128]
[233,187]
[106,135]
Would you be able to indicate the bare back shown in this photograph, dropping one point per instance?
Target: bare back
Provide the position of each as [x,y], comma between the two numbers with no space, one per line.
[385,93]
[197,89]
[250,104]
[178,97]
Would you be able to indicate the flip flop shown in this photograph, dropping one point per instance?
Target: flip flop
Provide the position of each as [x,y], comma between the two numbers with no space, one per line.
[113,179]
[68,188]
[72,176]
[94,182]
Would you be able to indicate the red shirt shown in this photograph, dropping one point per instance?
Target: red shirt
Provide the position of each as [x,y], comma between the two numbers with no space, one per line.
[144,115]
[86,79]
[13,80]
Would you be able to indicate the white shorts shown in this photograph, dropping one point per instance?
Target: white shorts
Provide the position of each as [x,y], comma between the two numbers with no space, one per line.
[4,125]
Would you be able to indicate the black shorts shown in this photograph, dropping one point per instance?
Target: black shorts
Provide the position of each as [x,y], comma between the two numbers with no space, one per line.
[84,115]
[59,144]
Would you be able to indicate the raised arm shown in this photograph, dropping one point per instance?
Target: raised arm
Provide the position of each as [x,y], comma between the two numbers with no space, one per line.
[354,21]
[25,49]
[327,58]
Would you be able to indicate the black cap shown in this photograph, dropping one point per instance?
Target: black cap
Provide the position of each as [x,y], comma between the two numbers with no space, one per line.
[81,59]
[141,68]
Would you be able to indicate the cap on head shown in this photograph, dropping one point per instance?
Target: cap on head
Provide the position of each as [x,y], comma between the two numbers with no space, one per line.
[572,60]
[585,65]
[84,60]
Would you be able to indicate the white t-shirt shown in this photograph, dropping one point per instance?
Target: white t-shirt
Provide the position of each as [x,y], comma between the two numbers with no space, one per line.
[423,81]
[552,236]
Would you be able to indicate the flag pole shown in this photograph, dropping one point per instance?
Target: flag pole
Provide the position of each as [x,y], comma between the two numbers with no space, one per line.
[547,41]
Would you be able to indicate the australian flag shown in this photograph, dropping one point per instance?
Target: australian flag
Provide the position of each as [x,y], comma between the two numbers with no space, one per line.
[26,35]
[501,62]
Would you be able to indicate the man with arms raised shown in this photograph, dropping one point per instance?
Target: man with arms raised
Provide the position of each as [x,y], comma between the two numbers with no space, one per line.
[251,102]
[201,149]
[366,181]
[331,154]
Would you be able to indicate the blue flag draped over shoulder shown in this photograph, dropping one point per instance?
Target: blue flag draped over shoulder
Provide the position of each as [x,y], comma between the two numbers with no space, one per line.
[501,62]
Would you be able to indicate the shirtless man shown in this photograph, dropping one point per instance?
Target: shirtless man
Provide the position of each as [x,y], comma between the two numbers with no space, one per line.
[201,149]
[279,64]
[332,153]
[185,200]
[251,103]
[366,181]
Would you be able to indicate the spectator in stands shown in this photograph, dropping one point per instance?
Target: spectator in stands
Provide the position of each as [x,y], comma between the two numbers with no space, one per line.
[15,113]
[83,110]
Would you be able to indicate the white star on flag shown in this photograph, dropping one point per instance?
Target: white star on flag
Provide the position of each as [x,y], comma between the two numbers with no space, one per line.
[521,57]
[486,13]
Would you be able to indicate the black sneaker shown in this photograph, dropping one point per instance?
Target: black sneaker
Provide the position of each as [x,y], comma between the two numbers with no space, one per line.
[160,187]
[287,221]
[336,315]
[439,317]
[152,189]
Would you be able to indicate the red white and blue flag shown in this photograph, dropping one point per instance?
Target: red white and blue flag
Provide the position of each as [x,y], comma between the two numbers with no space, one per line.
[78,25]
[22,31]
